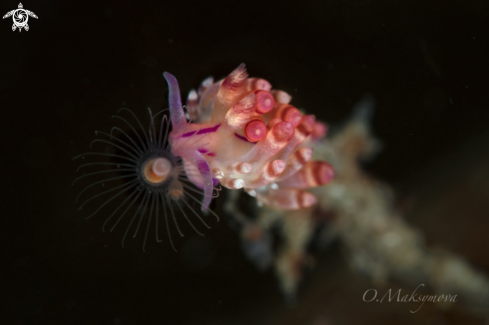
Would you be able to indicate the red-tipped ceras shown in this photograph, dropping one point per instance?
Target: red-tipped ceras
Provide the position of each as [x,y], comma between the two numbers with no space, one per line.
[246,135]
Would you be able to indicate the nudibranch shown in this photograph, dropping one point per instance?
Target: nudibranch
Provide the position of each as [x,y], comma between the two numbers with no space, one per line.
[241,134]
[250,137]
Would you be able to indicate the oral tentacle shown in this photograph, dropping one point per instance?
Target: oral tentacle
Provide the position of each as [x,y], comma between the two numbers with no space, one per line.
[196,159]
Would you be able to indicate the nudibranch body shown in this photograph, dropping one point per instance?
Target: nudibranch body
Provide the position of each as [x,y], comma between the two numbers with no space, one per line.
[242,134]
[250,137]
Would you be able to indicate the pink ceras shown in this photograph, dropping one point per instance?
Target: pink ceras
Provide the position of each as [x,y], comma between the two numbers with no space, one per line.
[246,135]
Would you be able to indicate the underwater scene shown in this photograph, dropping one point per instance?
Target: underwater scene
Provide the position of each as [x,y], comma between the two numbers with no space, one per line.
[191,162]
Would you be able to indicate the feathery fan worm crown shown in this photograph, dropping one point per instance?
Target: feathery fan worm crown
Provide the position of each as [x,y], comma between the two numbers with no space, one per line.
[153,183]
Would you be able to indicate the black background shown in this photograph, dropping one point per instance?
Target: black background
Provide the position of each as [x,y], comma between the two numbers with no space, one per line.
[426,63]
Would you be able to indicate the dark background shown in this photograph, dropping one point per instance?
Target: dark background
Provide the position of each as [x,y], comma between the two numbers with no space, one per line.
[426,63]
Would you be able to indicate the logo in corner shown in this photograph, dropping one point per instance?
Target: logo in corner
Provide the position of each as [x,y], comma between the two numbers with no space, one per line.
[20,17]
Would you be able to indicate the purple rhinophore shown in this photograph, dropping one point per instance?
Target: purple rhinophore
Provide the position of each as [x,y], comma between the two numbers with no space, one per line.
[177,115]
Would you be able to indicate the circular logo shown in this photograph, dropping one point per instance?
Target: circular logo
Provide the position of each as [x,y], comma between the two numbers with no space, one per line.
[20,17]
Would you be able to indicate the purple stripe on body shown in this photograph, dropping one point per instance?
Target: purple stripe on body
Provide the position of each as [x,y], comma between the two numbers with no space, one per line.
[202,131]
[243,138]
[186,135]
[209,130]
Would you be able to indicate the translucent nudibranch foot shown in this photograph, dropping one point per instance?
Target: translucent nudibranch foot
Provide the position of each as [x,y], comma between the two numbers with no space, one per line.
[245,135]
